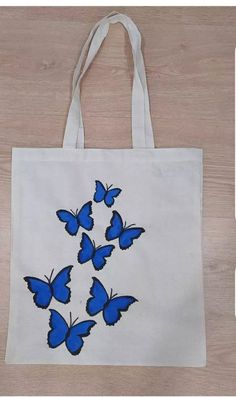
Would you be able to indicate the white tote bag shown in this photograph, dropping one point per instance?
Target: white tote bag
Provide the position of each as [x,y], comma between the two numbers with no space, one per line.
[106,264]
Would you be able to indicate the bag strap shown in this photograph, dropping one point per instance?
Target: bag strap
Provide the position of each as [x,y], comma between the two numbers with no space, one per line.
[142,133]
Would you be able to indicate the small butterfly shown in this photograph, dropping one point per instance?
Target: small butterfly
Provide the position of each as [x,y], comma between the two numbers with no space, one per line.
[72,335]
[126,234]
[90,252]
[76,219]
[111,307]
[44,291]
[105,194]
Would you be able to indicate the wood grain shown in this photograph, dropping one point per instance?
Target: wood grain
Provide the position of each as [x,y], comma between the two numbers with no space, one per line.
[189,55]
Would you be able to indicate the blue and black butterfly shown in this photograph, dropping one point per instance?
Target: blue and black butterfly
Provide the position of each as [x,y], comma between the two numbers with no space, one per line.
[76,219]
[72,334]
[105,194]
[111,306]
[89,252]
[126,234]
[44,291]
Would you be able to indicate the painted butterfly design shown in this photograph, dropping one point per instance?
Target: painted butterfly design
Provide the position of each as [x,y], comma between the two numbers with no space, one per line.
[76,219]
[44,291]
[89,252]
[126,234]
[72,334]
[105,194]
[111,306]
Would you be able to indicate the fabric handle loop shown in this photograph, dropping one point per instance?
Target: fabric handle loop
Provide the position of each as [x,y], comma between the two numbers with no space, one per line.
[142,134]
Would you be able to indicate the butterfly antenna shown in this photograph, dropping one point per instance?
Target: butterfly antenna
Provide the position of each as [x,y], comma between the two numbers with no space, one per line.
[109,187]
[111,295]
[51,275]
[132,224]
[74,321]
[70,319]
[94,244]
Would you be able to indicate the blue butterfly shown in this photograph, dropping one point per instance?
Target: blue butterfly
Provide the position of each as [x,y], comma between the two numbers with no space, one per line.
[126,234]
[90,252]
[76,219]
[105,193]
[72,335]
[44,291]
[111,307]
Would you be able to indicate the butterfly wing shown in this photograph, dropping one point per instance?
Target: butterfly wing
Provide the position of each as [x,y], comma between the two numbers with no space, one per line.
[110,196]
[59,329]
[128,236]
[116,228]
[84,218]
[74,341]
[100,192]
[41,290]
[99,258]
[87,249]
[112,311]
[99,298]
[72,225]
[60,290]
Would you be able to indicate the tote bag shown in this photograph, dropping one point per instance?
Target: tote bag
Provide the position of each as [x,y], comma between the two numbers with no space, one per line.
[106,264]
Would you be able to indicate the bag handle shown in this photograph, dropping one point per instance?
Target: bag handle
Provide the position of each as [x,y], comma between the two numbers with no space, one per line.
[142,133]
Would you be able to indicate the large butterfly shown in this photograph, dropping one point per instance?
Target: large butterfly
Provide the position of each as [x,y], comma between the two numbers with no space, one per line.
[105,194]
[72,335]
[111,306]
[89,252]
[44,290]
[126,234]
[76,219]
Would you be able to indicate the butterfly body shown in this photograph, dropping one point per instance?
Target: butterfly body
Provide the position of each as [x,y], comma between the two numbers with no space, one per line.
[105,194]
[125,234]
[97,255]
[111,307]
[75,220]
[72,335]
[44,291]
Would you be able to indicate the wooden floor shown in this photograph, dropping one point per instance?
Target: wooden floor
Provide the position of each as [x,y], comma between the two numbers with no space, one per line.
[189,55]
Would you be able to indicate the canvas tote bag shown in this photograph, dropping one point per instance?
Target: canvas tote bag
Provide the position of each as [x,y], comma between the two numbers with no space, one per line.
[106,263]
